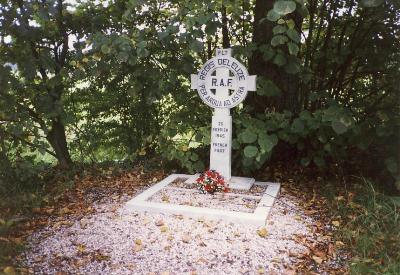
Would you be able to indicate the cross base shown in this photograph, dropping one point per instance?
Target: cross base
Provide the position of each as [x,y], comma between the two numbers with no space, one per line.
[238,183]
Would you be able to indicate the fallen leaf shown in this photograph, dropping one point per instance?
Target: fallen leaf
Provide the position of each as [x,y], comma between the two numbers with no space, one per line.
[138,242]
[339,198]
[81,248]
[9,270]
[138,248]
[261,271]
[339,243]
[319,253]
[331,250]
[336,223]
[201,260]
[164,228]
[317,259]
[165,198]
[186,238]
[202,243]
[262,232]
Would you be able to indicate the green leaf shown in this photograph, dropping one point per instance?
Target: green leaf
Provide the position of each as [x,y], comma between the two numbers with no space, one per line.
[294,35]
[297,126]
[163,35]
[292,66]
[391,165]
[293,48]
[320,162]
[279,59]
[371,3]
[267,142]
[211,28]
[305,161]
[194,157]
[279,29]
[290,23]
[250,151]
[278,40]
[268,53]
[105,49]
[196,46]
[142,44]
[272,16]
[284,7]
[339,127]
[235,144]
[281,21]
[248,136]
[268,88]
[142,52]
[123,56]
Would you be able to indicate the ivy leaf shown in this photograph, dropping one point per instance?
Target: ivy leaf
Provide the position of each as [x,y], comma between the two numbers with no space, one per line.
[284,7]
[250,151]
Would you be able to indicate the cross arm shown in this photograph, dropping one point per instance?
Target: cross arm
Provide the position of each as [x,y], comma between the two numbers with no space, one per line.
[193,81]
[251,83]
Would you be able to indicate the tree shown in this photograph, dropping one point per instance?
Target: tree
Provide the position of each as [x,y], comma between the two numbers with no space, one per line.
[35,58]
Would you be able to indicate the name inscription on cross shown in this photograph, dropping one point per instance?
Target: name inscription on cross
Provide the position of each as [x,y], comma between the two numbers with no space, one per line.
[222,83]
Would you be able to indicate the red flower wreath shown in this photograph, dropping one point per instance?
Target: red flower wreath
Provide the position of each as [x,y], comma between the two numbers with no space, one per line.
[211,181]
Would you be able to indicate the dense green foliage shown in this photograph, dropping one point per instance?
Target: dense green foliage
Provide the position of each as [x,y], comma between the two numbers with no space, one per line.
[93,81]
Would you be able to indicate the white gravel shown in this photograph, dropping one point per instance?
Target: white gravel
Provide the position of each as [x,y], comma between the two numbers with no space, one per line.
[111,242]
[193,197]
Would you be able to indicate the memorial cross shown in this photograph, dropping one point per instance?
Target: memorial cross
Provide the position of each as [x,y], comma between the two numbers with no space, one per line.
[222,83]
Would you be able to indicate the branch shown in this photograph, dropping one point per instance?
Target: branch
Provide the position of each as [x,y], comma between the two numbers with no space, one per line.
[28,142]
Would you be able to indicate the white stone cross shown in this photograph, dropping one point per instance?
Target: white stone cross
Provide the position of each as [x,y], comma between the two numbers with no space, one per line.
[222,83]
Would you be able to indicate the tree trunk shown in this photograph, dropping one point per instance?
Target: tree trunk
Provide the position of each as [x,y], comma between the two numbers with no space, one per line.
[58,141]
[225,33]
[287,83]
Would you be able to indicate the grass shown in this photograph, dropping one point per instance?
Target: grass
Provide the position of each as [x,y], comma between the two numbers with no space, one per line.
[370,228]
